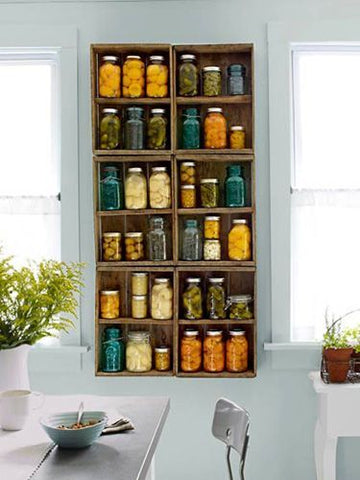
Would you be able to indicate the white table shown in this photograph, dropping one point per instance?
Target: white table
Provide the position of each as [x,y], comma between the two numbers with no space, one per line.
[338,405]
[123,456]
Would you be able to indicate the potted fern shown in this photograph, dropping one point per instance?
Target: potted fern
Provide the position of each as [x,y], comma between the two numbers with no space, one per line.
[36,301]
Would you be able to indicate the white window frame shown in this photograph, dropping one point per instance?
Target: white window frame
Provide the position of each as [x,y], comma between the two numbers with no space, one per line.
[282,38]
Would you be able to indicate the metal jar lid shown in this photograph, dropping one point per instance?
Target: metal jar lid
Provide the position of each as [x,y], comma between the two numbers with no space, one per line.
[162,349]
[216,280]
[239,221]
[209,180]
[188,164]
[135,170]
[139,274]
[236,332]
[211,68]
[214,110]
[237,128]
[161,280]
[159,169]
[112,234]
[193,280]
[109,292]
[212,218]
[187,187]
[213,332]
[112,111]
[156,58]
[133,234]
[139,297]
[133,57]
[110,58]
[240,298]
[158,111]
[187,56]
[138,335]
[191,332]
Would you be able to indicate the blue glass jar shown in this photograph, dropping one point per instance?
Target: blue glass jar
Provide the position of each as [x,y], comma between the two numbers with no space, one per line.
[234,187]
[191,129]
[111,191]
[191,241]
[113,351]
[236,79]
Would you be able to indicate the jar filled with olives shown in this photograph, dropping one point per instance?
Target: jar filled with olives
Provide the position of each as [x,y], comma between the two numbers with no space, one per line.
[111,247]
[190,129]
[159,188]
[188,76]
[157,74]
[109,77]
[188,173]
[139,283]
[162,358]
[190,350]
[192,299]
[191,246]
[214,351]
[135,189]
[212,250]
[134,246]
[134,136]
[138,352]
[110,304]
[157,241]
[110,129]
[216,299]
[162,299]
[211,81]
[156,129]
[239,306]
[209,192]
[111,191]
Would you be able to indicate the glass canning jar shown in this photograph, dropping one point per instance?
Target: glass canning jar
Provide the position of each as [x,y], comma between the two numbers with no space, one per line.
[133,77]
[162,359]
[212,227]
[111,192]
[192,299]
[239,240]
[159,188]
[237,137]
[239,306]
[209,192]
[188,173]
[162,299]
[157,74]
[188,196]
[109,304]
[110,128]
[111,247]
[215,128]
[139,306]
[190,129]
[139,283]
[211,81]
[216,299]
[135,189]
[236,79]
[188,76]
[190,350]
[157,241]
[234,187]
[191,246]
[109,76]
[214,351]
[134,246]
[138,352]
[112,351]
[156,129]
[212,250]
[237,351]
[134,134]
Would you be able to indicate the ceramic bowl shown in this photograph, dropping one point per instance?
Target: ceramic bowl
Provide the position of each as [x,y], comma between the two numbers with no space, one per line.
[83,437]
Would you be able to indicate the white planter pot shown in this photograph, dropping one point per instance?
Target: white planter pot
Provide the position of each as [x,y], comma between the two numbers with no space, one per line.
[14,373]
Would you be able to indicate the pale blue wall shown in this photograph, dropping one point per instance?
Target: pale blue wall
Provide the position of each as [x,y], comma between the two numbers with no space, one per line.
[280,400]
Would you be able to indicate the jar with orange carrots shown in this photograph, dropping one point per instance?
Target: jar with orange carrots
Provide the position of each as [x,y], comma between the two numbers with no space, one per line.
[214,351]
[237,351]
[133,77]
[190,350]
[215,128]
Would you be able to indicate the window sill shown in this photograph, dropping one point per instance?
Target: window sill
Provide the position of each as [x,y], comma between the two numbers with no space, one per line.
[291,346]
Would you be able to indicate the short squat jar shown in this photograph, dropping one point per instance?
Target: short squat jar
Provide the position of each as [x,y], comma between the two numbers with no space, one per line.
[112,351]
[212,250]
[188,196]
[111,247]
[134,246]
[134,129]
[191,249]
[162,359]
[209,192]
[188,76]
[237,137]
[139,306]
[139,283]
[190,129]
[236,79]
[110,129]
[211,81]
[110,304]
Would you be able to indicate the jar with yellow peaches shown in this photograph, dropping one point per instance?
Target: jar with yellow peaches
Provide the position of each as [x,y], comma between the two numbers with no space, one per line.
[188,173]
[135,189]
[212,227]
[237,137]
[190,350]
[215,128]
[109,304]
[239,240]
[109,77]
[133,77]
[139,283]
[162,358]
[134,246]
[214,351]
[157,75]
[159,188]
[111,247]
[188,196]
[237,351]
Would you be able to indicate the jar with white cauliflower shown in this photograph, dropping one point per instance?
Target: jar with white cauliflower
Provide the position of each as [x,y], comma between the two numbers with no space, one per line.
[162,299]
[135,189]
[138,352]
[159,188]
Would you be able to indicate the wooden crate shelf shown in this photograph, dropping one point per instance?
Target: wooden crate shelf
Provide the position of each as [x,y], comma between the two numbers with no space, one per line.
[240,277]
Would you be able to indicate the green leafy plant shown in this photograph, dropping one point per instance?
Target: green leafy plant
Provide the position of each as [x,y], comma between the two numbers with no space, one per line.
[353,335]
[335,335]
[37,301]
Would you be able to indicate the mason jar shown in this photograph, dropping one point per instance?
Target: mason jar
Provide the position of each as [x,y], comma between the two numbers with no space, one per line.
[112,350]
[191,245]
[138,352]
[211,81]
[159,188]
[134,135]
[109,77]
[156,129]
[111,189]
[135,189]
[110,129]
[188,76]
[157,74]
[157,242]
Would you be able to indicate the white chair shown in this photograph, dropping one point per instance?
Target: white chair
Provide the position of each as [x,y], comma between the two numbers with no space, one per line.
[231,426]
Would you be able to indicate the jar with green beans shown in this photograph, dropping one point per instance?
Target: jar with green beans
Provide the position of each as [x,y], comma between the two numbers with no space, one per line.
[211,81]
[209,192]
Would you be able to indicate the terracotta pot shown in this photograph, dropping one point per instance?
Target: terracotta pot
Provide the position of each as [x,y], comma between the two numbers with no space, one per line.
[337,363]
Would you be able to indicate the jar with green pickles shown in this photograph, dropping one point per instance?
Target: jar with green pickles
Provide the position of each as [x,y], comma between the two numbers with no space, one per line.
[239,306]
[156,129]
[192,299]
[211,81]
[188,76]
[209,192]
[216,299]
[110,129]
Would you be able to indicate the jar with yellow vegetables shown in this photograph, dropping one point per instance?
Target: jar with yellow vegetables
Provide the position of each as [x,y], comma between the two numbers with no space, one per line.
[190,350]
[156,129]
[215,128]
[211,81]
[139,306]
[237,351]
[188,196]
[157,75]
[239,240]
[111,247]
[133,77]
[212,227]
[162,299]
[134,246]
[139,283]
[135,189]
[192,299]
[214,351]
[162,358]
[188,173]
[109,304]
[109,77]
[237,137]
[159,188]
[138,352]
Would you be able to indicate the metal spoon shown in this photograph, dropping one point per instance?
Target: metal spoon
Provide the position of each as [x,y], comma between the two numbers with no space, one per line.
[80,413]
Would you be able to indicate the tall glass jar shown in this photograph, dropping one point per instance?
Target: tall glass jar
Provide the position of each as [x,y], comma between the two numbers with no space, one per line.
[211,81]
[188,173]
[216,299]
[190,129]
[157,241]
[234,187]
[188,76]
[109,77]
[138,352]
[111,192]
[134,246]
[239,240]
[133,77]
[112,351]
[237,351]
[192,299]
[134,137]
[162,299]
[111,247]
[157,74]
[214,351]
[209,191]
[215,128]
[139,283]
[237,137]
[191,248]
[236,79]
[110,304]
[156,129]
[135,189]
[159,188]
[190,351]
[110,129]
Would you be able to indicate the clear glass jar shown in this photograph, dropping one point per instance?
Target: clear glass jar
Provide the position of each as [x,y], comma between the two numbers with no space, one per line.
[162,359]
[111,247]
[236,79]
[211,81]
[239,240]
[212,250]
[239,306]
[188,173]
[110,128]
[110,304]
[134,135]
[134,246]
[216,299]
[188,76]
[191,246]
[156,129]
[109,77]
[215,128]
[234,187]
[209,192]
[157,241]
[237,356]
[139,283]
[139,306]
[157,74]
[188,196]
[190,129]
[192,299]
[214,351]
[190,351]
[135,189]
[237,137]
[138,352]
[133,77]
[159,188]
[212,227]
[112,351]
[111,192]
[162,299]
